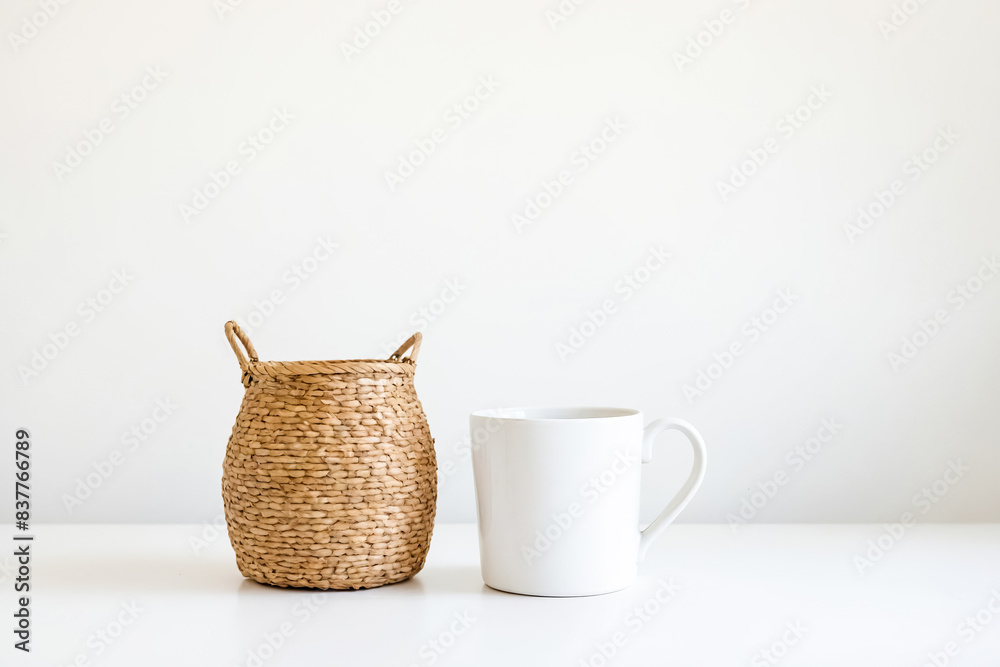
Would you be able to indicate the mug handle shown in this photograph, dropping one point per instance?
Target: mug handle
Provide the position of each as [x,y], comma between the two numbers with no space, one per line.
[674,507]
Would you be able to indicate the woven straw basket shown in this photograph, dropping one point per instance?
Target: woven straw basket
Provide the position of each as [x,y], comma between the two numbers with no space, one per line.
[330,479]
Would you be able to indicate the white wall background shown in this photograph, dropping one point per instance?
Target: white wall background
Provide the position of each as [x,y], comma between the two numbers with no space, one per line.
[323,176]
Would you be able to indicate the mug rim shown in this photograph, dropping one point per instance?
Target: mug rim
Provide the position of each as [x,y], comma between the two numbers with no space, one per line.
[571,413]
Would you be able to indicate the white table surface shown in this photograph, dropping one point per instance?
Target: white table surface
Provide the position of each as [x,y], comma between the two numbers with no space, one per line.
[737,594]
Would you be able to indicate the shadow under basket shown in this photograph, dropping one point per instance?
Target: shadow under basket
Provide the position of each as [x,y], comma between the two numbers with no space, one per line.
[330,479]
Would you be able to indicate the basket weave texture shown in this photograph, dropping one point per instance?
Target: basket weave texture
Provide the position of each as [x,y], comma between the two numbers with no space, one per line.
[330,479]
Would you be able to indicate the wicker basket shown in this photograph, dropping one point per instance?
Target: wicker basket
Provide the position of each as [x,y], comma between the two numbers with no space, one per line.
[329,479]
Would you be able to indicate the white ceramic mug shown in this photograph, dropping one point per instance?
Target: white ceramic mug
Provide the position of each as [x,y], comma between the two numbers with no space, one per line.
[557,495]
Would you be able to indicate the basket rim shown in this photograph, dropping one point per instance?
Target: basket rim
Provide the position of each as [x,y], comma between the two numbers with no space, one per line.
[258,367]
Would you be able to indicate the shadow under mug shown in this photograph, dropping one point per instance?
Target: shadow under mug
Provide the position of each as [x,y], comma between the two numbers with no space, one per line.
[557,496]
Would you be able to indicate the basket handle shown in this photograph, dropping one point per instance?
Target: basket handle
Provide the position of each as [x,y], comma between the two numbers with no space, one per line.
[233,332]
[413,340]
